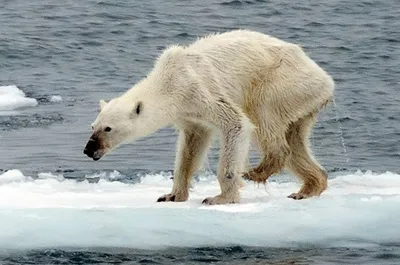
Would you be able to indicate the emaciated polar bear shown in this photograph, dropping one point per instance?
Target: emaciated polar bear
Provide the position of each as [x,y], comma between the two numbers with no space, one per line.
[239,83]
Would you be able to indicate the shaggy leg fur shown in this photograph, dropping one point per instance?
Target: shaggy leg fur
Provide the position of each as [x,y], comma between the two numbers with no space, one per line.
[272,163]
[273,145]
[236,131]
[193,143]
[302,163]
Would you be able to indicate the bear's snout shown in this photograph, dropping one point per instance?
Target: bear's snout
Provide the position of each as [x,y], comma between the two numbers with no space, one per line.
[92,149]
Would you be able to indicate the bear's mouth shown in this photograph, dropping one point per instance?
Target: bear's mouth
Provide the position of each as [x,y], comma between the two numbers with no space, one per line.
[95,148]
[96,155]
[95,158]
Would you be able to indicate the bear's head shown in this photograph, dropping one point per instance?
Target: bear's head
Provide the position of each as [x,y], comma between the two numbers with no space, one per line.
[118,121]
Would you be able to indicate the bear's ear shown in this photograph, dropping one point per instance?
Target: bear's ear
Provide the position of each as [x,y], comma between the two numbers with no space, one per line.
[102,103]
[136,110]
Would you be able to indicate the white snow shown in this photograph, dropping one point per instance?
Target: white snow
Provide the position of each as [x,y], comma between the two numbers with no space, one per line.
[11,98]
[359,209]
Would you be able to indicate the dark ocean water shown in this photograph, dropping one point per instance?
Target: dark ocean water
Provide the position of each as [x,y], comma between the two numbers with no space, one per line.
[235,255]
[85,51]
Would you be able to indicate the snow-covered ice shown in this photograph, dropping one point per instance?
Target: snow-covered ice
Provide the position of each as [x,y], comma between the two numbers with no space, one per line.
[358,209]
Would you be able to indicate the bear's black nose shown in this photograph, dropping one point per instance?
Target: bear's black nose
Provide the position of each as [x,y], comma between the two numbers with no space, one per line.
[88,152]
[90,147]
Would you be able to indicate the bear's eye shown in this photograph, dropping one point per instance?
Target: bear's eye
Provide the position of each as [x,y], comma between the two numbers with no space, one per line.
[107,129]
[139,108]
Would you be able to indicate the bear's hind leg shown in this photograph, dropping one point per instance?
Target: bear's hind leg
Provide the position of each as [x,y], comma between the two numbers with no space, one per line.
[274,148]
[272,163]
[193,143]
[302,163]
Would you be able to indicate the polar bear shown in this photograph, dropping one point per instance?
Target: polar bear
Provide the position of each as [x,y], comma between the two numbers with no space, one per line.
[241,84]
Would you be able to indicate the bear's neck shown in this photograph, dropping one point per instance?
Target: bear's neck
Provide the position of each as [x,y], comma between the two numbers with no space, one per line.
[158,106]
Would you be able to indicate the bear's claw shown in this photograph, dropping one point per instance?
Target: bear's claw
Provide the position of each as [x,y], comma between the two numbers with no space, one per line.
[206,201]
[164,198]
[297,196]
[172,198]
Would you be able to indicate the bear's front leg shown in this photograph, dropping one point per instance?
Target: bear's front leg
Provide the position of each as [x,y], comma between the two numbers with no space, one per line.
[236,131]
[229,180]
[193,143]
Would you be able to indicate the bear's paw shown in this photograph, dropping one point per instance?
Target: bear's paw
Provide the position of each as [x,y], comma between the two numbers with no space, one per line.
[297,196]
[179,197]
[220,199]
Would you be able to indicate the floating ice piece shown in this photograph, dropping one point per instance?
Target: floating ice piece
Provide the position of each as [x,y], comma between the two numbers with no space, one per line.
[11,98]
[56,98]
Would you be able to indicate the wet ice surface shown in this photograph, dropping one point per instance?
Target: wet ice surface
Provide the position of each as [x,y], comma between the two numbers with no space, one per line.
[50,219]
[358,210]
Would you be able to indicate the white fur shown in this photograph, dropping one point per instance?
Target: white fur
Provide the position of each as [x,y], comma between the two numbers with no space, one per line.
[234,83]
